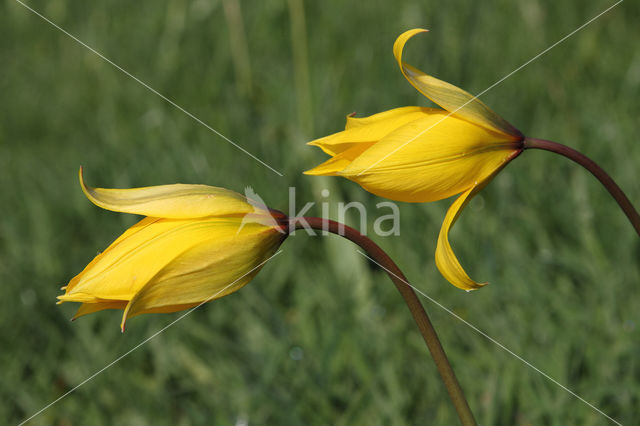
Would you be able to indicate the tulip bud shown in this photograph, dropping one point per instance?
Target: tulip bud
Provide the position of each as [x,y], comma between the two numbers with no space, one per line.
[198,243]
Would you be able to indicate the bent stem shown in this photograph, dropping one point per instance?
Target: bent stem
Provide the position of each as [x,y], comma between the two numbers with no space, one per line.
[591,166]
[417,310]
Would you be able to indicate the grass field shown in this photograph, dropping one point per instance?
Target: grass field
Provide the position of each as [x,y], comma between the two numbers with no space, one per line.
[320,336]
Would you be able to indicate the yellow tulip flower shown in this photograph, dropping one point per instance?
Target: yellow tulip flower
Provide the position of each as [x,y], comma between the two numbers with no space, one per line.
[197,243]
[417,154]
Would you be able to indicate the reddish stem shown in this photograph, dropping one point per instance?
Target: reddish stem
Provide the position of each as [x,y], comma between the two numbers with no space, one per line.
[591,166]
[417,310]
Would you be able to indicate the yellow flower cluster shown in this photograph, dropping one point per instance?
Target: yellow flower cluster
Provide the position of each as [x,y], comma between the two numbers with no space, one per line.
[198,243]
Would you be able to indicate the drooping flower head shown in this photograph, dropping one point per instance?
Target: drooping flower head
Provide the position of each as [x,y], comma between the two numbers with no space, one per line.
[197,243]
[418,154]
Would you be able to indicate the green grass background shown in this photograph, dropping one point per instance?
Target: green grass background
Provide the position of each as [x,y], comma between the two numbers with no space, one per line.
[320,336]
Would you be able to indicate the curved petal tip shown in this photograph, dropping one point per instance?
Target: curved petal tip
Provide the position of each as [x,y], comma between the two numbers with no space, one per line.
[398,46]
[446,261]
[450,97]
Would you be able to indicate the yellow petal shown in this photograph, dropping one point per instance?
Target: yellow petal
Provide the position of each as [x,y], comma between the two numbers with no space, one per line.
[161,310]
[212,269]
[124,268]
[430,159]
[89,308]
[368,129]
[129,232]
[177,201]
[450,97]
[446,260]
[338,163]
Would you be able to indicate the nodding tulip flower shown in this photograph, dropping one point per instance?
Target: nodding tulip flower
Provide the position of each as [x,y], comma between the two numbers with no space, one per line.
[417,154]
[198,243]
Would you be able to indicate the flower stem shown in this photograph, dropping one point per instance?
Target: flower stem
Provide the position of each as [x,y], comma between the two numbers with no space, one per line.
[591,166]
[417,310]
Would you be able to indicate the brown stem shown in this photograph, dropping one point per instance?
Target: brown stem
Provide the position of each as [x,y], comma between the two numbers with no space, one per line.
[417,310]
[595,170]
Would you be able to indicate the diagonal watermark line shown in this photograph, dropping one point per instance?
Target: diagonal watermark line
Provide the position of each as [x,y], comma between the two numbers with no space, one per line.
[151,89]
[493,85]
[491,339]
[91,377]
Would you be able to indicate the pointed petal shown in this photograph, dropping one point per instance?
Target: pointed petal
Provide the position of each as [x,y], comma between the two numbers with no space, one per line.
[446,260]
[208,271]
[123,269]
[177,201]
[450,97]
[430,159]
[369,129]
[89,308]
[161,310]
[129,232]
[78,297]
[129,262]
[338,163]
